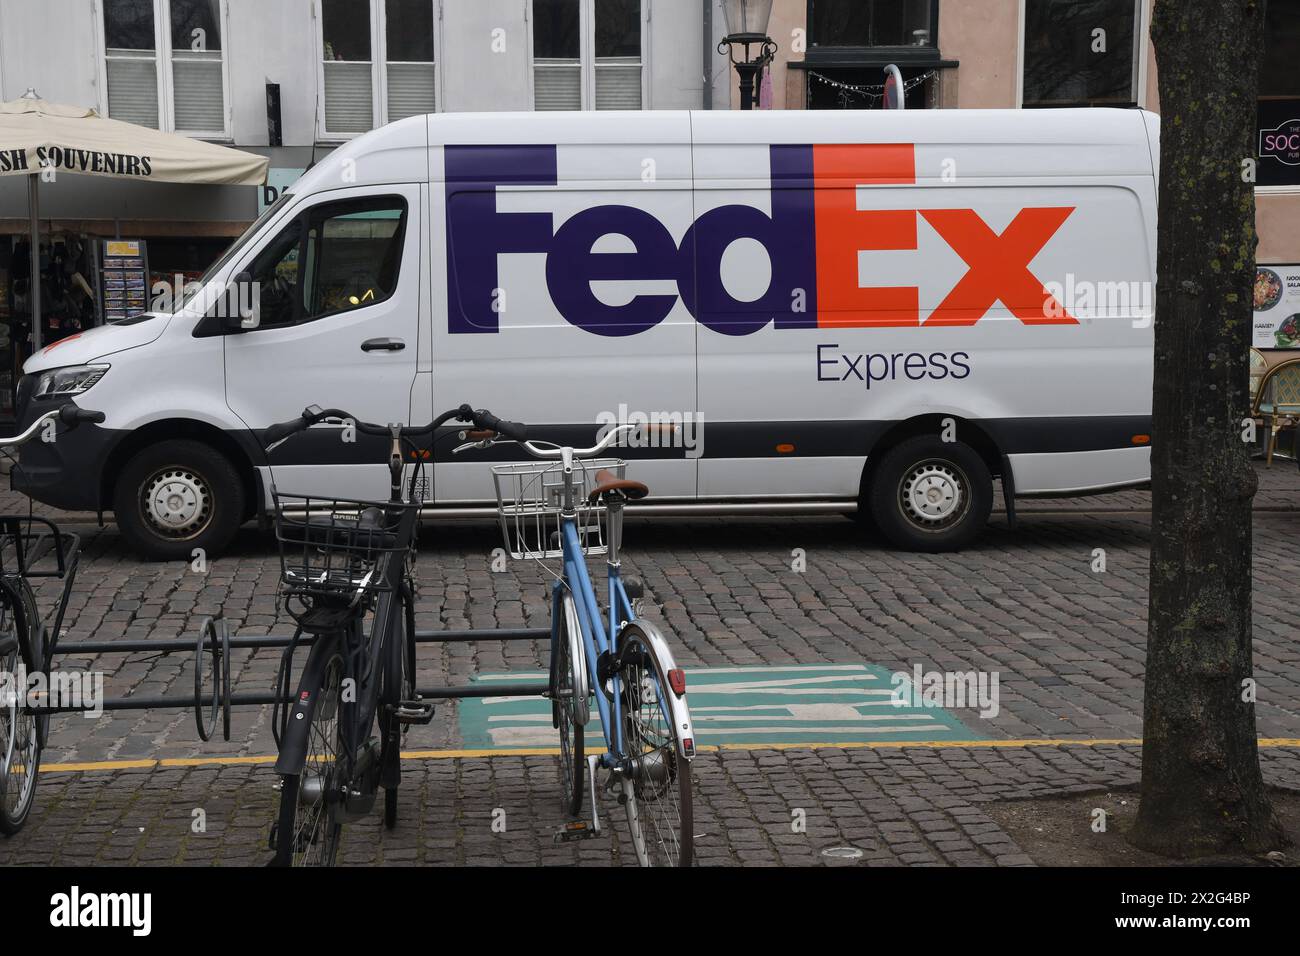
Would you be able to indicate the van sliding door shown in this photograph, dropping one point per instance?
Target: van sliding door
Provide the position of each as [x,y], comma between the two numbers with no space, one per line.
[562,264]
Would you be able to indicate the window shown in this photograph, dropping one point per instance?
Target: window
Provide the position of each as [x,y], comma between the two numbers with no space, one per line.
[867,23]
[587,54]
[618,55]
[1278,76]
[557,62]
[377,63]
[409,26]
[132,62]
[1081,52]
[1279,96]
[275,271]
[164,64]
[334,257]
[349,95]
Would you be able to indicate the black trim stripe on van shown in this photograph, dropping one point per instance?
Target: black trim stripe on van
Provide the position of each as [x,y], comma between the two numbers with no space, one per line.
[810,439]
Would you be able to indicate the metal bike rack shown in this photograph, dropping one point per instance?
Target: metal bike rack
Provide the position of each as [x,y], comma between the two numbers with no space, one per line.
[216,641]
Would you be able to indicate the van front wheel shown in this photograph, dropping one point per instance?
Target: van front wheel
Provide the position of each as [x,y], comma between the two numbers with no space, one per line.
[931,495]
[176,496]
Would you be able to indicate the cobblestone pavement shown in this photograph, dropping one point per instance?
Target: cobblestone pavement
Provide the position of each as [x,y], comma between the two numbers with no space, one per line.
[1066,641]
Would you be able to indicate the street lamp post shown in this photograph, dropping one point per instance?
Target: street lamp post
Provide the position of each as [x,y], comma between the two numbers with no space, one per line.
[34,224]
[747,28]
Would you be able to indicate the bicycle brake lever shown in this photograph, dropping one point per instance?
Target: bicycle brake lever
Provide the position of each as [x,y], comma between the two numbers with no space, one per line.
[471,444]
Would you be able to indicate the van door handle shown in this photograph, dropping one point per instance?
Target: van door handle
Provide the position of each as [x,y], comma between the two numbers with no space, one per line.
[382,345]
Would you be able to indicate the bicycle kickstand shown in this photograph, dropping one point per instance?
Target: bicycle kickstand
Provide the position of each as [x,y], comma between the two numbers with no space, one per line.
[593,761]
[578,829]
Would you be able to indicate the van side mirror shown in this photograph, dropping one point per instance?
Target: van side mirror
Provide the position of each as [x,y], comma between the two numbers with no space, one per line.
[239,306]
[237,309]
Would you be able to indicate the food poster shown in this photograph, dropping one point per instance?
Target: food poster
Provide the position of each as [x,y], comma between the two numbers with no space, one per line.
[1277,307]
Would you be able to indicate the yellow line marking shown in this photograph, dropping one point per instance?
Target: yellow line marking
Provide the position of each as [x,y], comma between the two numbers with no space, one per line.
[99,765]
[147,764]
[196,761]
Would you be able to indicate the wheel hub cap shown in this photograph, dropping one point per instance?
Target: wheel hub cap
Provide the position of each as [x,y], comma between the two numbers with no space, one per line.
[933,493]
[177,501]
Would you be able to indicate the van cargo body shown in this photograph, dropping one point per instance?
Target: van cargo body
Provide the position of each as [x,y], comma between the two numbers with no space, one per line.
[841,311]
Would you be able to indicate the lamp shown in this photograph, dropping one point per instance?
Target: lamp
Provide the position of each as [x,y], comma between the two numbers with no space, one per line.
[746,22]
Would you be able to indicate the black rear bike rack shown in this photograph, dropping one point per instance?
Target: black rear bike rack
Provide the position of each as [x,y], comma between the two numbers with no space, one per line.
[216,641]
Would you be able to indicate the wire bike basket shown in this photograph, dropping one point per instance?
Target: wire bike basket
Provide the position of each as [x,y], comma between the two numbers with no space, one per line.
[32,548]
[530,500]
[335,547]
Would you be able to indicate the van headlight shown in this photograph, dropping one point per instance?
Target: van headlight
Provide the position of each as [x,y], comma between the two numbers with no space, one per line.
[69,380]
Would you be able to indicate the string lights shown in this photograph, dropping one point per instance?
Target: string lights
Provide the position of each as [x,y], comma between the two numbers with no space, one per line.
[871,92]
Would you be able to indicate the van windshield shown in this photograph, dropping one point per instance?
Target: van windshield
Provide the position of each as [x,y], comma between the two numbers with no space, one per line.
[194,287]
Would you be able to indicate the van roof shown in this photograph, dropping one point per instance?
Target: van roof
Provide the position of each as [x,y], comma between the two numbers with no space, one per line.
[1063,126]
[1061,142]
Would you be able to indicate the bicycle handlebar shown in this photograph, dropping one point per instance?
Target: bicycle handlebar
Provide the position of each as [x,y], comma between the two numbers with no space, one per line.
[314,414]
[487,424]
[484,419]
[552,450]
[72,415]
[69,415]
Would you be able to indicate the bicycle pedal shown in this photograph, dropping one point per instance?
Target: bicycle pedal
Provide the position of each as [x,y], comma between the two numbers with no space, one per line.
[577,830]
[418,711]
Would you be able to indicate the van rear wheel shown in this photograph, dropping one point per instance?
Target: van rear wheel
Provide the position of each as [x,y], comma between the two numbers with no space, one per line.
[931,495]
[176,496]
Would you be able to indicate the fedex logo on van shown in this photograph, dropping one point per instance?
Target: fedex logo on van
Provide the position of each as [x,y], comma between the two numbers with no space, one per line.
[812,236]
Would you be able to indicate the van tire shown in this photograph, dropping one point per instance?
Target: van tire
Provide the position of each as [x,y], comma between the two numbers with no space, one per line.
[193,486]
[930,495]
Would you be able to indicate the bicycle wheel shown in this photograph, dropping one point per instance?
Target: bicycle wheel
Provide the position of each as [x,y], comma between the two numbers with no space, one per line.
[20,729]
[658,791]
[308,830]
[569,698]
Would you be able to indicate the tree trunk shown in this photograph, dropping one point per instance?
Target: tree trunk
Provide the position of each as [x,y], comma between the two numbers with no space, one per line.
[1202,792]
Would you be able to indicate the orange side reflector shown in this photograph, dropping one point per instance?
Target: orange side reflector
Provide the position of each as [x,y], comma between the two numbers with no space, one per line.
[785,448]
[1141,439]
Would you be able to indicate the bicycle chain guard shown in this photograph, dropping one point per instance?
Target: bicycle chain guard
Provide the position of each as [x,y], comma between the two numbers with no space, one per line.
[215,633]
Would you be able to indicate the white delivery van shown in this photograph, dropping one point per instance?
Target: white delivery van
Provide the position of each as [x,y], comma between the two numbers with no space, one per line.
[845,311]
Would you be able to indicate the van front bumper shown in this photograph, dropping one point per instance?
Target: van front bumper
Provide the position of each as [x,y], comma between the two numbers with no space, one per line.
[67,472]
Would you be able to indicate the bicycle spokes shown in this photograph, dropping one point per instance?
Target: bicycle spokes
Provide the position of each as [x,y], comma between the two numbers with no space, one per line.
[659,801]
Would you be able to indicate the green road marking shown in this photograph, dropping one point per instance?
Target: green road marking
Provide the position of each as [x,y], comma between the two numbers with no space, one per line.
[852,703]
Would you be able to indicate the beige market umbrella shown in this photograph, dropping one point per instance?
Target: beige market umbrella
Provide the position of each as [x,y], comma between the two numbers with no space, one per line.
[36,136]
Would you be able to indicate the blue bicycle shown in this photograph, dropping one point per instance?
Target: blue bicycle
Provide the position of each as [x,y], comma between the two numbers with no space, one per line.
[567,507]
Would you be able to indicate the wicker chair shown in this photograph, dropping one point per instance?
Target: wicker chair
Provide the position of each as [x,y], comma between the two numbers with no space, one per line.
[1258,369]
[1277,402]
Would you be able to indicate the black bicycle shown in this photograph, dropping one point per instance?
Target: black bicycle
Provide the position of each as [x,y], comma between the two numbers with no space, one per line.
[30,548]
[347,578]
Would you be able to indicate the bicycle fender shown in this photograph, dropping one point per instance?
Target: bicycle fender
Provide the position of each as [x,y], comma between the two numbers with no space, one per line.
[578,655]
[681,714]
[293,745]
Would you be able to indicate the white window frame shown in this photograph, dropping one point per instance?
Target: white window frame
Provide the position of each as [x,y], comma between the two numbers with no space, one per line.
[1142,26]
[378,67]
[587,53]
[162,49]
